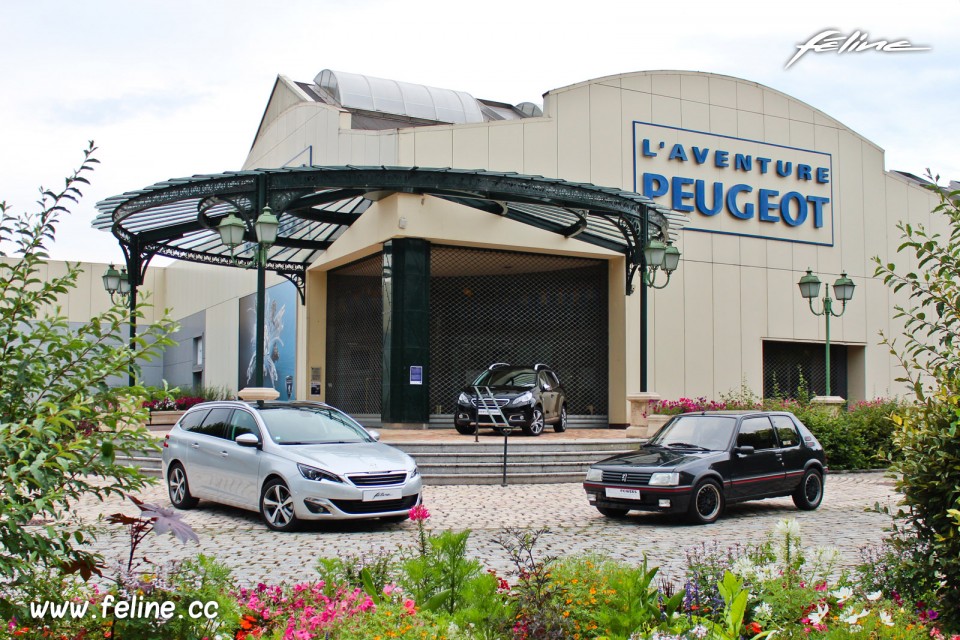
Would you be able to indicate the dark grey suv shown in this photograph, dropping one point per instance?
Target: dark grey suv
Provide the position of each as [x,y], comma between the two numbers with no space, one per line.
[528,398]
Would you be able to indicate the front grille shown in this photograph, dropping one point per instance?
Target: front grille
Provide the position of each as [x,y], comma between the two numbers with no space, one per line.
[618,477]
[378,479]
[501,402]
[380,506]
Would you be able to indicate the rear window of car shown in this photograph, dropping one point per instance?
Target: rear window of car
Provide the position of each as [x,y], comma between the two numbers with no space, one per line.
[757,433]
[786,431]
[312,425]
[215,424]
[193,419]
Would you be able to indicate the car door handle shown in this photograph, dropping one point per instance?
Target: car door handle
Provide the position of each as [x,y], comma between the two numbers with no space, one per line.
[195,445]
[224,454]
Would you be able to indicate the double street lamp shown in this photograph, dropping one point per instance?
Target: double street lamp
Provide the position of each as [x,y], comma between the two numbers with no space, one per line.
[658,256]
[842,288]
[233,231]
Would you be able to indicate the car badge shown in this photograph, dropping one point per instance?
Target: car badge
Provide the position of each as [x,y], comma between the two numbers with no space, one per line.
[623,477]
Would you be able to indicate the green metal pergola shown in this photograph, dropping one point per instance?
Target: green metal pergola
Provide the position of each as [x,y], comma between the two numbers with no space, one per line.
[315,205]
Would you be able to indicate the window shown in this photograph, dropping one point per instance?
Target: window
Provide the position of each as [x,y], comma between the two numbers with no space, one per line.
[198,351]
[192,420]
[243,422]
[786,431]
[757,433]
[215,423]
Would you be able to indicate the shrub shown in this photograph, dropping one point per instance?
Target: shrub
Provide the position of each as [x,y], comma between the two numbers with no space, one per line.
[59,419]
[928,441]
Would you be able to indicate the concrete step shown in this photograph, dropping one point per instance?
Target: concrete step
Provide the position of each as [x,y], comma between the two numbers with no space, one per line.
[518,445]
[470,462]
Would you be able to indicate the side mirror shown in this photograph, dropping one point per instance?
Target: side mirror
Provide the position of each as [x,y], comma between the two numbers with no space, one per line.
[374,434]
[248,440]
[744,450]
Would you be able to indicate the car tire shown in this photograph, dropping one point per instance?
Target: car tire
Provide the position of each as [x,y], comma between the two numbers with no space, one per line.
[706,502]
[561,425]
[466,429]
[276,506]
[612,512]
[178,488]
[535,427]
[809,494]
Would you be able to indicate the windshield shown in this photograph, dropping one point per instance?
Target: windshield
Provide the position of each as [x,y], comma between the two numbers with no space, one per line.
[311,425]
[507,377]
[704,432]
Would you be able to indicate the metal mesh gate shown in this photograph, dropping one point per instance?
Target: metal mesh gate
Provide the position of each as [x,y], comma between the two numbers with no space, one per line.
[355,336]
[785,362]
[498,306]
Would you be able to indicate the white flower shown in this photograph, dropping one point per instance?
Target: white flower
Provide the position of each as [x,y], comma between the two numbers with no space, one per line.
[818,616]
[842,594]
[699,631]
[743,567]
[768,572]
[873,597]
[886,618]
[850,617]
[763,610]
[788,528]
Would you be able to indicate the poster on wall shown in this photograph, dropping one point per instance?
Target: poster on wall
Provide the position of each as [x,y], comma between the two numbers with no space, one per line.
[279,340]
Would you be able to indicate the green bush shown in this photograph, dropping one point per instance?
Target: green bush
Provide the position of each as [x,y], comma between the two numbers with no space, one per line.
[861,438]
[928,438]
[59,419]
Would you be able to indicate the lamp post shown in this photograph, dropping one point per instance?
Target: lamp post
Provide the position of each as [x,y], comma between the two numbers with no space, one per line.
[657,256]
[121,290]
[264,231]
[842,288]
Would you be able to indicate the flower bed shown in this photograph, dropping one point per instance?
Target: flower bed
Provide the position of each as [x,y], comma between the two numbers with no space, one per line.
[431,590]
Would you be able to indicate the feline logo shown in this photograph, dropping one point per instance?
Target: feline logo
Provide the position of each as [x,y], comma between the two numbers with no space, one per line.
[833,40]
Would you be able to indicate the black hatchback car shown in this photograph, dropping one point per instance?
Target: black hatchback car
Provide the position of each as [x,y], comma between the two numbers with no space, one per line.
[527,397]
[700,462]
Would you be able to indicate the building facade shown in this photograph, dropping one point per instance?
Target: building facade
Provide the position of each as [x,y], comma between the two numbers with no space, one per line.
[770,187]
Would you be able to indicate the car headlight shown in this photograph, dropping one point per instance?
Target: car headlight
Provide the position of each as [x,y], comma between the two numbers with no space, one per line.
[464,399]
[312,473]
[660,479]
[524,398]
[594,475]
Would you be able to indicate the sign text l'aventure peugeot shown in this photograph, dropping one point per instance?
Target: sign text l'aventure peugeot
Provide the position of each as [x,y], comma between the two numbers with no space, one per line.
[735,185]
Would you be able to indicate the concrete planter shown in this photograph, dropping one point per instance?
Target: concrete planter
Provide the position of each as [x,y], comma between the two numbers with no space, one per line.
[164,419]
[654,422]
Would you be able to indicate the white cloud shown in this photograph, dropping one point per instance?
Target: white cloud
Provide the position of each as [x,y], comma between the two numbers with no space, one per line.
[175,88]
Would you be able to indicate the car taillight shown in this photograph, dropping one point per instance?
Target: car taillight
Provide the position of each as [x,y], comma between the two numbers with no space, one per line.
[165,445]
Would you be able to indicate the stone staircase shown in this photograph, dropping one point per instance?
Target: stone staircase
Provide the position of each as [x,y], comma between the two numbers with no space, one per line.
[468,462]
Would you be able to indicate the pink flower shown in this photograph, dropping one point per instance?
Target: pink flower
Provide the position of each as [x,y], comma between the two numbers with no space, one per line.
[419,513]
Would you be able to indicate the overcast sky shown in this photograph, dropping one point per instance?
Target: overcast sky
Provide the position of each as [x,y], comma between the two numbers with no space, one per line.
[171,89]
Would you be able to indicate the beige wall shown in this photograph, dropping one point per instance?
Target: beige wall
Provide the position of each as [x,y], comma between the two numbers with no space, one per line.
[731,291]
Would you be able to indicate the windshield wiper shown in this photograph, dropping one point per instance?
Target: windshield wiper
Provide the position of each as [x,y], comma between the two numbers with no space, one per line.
[687,445]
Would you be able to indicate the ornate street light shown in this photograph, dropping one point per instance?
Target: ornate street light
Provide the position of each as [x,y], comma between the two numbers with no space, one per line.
[842,288]
[117,284]
[232,230]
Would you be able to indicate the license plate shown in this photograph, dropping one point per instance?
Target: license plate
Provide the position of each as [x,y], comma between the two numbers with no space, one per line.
[628,494]
[381,494]
[485,412]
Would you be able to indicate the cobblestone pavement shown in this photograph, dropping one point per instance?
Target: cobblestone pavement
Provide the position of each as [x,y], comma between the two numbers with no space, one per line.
[239,538]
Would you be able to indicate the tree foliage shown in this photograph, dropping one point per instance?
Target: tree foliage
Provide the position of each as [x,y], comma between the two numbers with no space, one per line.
[61,424]
[928,439]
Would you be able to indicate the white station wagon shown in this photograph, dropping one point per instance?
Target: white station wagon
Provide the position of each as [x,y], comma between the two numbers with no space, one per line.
[289,461]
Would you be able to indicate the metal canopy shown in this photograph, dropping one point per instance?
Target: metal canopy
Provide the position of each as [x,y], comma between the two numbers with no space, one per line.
[178,218]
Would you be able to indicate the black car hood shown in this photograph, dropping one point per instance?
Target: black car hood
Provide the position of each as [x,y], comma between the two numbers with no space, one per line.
[659,457]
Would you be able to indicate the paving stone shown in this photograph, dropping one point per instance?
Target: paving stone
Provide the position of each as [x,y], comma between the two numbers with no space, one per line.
[240,539]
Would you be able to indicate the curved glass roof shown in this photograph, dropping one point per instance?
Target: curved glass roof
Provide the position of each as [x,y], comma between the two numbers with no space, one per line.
[315,205]
[356,91]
